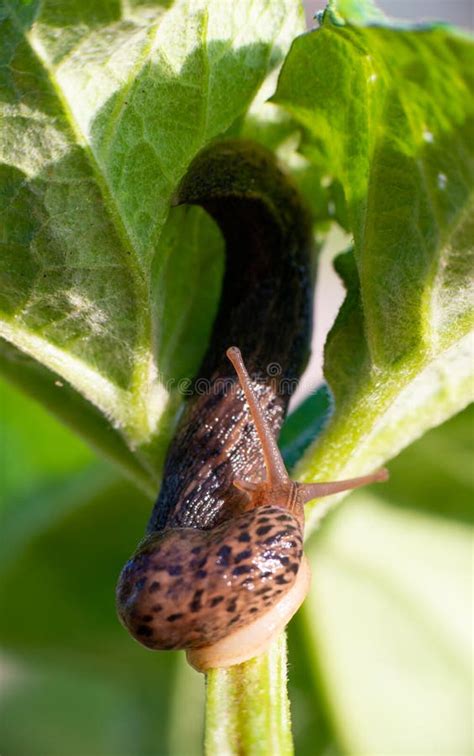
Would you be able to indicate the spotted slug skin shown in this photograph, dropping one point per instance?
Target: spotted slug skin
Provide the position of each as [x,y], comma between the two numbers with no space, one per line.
[215,556]
[191,587]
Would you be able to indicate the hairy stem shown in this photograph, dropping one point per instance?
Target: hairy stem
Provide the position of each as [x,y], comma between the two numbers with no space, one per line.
[247,710]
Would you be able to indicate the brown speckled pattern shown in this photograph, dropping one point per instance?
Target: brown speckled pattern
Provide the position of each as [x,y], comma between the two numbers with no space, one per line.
[187,588]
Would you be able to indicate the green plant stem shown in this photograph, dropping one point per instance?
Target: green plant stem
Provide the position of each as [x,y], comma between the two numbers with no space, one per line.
[247,707]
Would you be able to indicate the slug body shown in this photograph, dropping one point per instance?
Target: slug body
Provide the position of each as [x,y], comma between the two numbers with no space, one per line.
[221,569]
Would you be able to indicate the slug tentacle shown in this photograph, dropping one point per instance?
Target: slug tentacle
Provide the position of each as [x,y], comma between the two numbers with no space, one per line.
[308,491]
[275,467]
[222,569]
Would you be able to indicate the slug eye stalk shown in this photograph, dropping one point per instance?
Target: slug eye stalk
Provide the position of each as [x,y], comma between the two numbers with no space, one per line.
[277,478]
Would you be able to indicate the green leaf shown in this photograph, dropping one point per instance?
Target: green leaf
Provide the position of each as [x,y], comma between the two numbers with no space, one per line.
[388,112]
[355,11]
[105,105]
[73,409]
[388,618]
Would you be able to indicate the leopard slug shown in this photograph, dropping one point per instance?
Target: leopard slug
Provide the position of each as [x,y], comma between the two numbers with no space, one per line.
[221,569]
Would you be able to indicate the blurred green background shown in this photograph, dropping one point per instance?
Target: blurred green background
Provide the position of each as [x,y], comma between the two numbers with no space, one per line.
[379,657]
